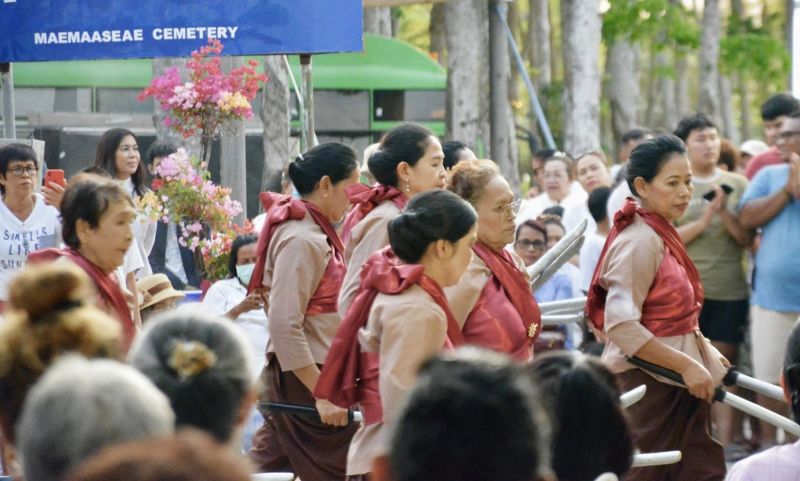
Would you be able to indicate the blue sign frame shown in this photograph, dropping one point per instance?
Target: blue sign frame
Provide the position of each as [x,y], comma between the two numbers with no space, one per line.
[40,30]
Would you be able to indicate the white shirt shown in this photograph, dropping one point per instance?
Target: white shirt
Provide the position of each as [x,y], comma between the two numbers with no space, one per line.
[574,214]
[144,232]
[18,238]
[223,296]
[590,254]
[533,208]
[617,199]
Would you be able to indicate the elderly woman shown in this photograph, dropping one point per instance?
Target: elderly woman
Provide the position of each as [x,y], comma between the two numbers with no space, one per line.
[592,172]
[202,364]
[80,407]
[646,296]
[96,223]
[558,176]
[49,314]
[27,221]
[493,302]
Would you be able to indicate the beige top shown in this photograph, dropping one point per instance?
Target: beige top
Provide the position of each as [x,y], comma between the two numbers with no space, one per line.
[628,283]
[463,296]
[297,257]
[405,330]
[367,237]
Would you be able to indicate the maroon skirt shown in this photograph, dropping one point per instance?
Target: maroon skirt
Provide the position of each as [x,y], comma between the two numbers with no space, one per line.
[669,418]
[287,442]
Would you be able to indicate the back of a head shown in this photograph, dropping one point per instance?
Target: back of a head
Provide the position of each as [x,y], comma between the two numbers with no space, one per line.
[430,216]
[634,134]
[582,399]
[202,364]
[50,313]
[648,157]
[405,143]
[451,150]
[470,417]
[791,370]
[160,149]
[597,202]
[779,105]
[334,160]
[80,407]
[188,456]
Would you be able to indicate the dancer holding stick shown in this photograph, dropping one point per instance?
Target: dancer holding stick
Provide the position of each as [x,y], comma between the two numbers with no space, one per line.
[646,296]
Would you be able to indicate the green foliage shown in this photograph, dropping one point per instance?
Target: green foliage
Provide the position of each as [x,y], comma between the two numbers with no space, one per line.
[647,19]
[755,51]
[413,25]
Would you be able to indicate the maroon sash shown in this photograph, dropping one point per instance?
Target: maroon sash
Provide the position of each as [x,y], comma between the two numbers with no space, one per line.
[676,295]
[109,294]
[350,376]
[365,199]
[282,208]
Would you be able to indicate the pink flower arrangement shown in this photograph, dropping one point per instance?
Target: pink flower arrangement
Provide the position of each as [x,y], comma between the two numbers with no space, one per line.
[210,99]
[216,250]
[183,194]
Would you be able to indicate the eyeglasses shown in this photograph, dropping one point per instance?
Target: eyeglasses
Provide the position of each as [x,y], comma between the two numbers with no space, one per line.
[788,134]
[20,171]
[509,210]
[526,244]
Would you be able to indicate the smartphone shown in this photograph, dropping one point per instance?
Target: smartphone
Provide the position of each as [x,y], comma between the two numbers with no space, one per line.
[54,175]
[709,196]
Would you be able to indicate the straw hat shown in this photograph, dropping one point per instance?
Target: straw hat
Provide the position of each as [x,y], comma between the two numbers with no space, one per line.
[156,288]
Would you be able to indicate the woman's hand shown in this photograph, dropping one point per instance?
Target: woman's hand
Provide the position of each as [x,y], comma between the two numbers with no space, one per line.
[698,381]
[52,193]
[256,300]
[331,413]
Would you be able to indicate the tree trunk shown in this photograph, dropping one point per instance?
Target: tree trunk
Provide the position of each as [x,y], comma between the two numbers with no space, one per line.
[164,133]
[467,26]
[515,24]
[709,93]
[670,116]
[539,47]
[233,154]
[503,143]
[729,129]
[378,20]
[437,33]
[623,85]
[682,99]
[746,125]
[275,110]
[580,33]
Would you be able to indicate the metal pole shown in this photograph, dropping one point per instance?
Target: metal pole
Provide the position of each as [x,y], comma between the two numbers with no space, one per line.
[307,89]
[9,114]
[537,107]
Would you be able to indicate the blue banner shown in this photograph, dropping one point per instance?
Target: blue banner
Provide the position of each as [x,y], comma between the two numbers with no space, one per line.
[39,30]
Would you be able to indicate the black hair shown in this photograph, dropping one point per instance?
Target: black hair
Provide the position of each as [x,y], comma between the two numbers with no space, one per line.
[335,160]
[648,157]
[532,224]
[239,242]
[430,216]
[636,133]
[452,149]
[106,157]
[544,154]
[779,104]
[597,202]
[88,200]
[15,153]
[555,210]
[405,143]
[698,121]
[93,169]
[791,370]
[582,399]
[160,148]
[470,418]
[201,363]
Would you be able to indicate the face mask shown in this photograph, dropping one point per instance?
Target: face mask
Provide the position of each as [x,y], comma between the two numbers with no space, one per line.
[244,272]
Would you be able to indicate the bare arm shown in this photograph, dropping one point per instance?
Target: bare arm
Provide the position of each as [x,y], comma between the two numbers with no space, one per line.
[697,378]
[758,212]
[743,237]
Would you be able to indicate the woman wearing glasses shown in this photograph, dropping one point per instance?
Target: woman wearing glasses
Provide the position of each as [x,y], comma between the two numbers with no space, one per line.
[493,302]
[558,176]
[26,222]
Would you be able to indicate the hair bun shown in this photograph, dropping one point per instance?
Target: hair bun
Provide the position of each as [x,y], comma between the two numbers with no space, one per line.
[41,290]
[190,358]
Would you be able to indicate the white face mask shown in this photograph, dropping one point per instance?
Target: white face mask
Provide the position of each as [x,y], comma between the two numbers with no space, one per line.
[244,272]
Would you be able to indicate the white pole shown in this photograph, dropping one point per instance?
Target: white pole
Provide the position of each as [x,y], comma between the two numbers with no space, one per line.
[7,87]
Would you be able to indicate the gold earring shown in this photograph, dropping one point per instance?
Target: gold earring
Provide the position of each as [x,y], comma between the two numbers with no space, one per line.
[408,186]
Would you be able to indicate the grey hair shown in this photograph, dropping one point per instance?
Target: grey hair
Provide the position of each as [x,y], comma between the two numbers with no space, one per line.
[80,406]
[202,363]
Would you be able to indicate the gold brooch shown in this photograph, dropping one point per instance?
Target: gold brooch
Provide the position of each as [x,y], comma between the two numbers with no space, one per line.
[532,330]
